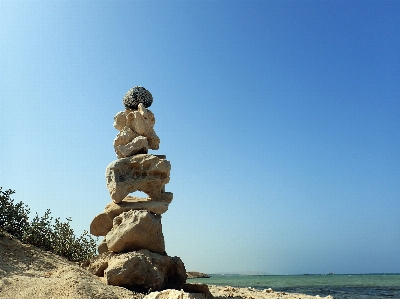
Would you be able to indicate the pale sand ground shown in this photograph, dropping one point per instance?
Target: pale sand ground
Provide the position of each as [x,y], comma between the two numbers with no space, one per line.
[28,272]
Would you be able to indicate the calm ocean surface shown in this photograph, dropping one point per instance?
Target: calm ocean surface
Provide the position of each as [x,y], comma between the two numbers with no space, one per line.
[368,286]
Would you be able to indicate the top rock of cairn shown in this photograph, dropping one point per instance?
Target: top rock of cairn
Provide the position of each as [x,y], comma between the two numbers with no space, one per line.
[137,95]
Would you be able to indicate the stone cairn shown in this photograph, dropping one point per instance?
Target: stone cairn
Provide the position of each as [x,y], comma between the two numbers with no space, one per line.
[132,253]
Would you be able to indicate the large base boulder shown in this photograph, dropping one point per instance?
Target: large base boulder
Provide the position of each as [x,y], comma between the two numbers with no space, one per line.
[143,172]
[135,230]
[141,270]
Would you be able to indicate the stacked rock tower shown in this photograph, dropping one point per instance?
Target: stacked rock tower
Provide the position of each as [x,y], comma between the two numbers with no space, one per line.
[132,253]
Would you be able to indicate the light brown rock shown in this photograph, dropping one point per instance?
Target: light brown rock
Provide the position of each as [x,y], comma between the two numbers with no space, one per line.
[143,172]
[140,121]
[102,223]
[138,145]
[135,230]
[173,294]
[140,270]
[197,288]
[102,246]
[136,132]
[120,120]
[125,136]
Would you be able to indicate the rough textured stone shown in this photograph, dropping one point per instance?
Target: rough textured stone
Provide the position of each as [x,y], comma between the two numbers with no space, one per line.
[102,223]
[197,288]
[125,136]
[102,246]
[120,120]
[99,264]
[174,294]
[138,145]
[135,230]
[136,134]
[144,172]
[132,253]
[140,270]
[137,95]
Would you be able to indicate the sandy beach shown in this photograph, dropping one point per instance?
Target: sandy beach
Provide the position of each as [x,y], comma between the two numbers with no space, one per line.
[29,272]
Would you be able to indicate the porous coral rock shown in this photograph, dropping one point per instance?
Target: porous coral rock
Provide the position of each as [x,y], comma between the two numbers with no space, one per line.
[143,172]
[140,270]
[102,246]
[102,223]
[138,145]
[124,136]
[197,288]
[141,121]
[135,230]
[174,294]
[120,120]
[132,124]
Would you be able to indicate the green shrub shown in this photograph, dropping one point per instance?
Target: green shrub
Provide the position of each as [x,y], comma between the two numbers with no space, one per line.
[40,232]
[57,237]
[13,217]
[66,244]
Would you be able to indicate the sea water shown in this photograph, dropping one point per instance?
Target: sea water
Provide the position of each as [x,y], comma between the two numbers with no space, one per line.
[367,286]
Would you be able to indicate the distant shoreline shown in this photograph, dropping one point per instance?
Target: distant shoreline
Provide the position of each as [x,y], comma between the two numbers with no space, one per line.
[310,274]
[338,286]
[193,274]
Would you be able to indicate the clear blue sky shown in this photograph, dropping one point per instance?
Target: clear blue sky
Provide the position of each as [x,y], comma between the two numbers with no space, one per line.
[281,120]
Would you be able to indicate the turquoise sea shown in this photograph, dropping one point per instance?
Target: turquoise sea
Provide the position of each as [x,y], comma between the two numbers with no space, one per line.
[366,286]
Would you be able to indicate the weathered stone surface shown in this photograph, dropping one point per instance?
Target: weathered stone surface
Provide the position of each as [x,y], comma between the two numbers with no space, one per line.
[135,230]
[140,270]
[143,172]
[137,145]
[132,253]
[137,95]
[133,124]
[120,120]
[125,136]
[164,197]
[196,288]
[97,265]
[102,223]
[175,294]
[102,246]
